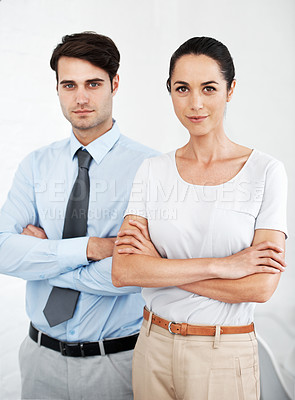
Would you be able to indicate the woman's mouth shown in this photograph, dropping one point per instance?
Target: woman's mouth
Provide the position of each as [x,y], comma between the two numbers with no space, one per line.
[197,118]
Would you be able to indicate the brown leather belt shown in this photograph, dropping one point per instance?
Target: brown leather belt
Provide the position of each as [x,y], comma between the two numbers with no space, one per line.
[198,330]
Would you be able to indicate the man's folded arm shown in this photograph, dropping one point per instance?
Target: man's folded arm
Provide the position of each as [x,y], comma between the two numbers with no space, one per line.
[29,257]
[94,278]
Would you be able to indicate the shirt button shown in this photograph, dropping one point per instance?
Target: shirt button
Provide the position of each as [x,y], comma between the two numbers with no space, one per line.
[72,332]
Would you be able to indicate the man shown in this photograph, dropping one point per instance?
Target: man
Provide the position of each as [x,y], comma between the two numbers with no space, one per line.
[57,231]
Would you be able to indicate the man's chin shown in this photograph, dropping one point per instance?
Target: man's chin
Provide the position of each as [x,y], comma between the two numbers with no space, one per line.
[83,127]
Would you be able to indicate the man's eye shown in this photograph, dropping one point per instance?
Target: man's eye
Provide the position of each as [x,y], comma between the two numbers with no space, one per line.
[69,86]
[182,89]
[93,84]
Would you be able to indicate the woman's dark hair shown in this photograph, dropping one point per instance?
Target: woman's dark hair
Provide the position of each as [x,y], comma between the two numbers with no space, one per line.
[99,50]
[209,47]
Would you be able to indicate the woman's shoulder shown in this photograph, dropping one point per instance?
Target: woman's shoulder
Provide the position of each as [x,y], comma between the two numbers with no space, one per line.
[262,164]
[157,168]
[160,161]
[264,160]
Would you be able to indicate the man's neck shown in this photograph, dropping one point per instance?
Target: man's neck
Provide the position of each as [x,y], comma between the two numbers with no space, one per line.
[86,136]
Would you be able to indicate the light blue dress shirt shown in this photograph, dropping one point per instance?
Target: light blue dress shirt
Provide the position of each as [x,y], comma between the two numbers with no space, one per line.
[39,196]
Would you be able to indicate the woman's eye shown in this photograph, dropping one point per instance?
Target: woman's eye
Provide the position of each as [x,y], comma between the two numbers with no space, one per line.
[209,89]
[182,89]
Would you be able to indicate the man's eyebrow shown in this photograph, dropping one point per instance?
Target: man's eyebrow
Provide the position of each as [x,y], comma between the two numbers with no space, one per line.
[95,80]
[68,81]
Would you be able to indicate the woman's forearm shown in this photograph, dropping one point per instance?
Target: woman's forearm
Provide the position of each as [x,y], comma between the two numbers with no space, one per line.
[253,288]
[136,263]
[256,288]
[146,271]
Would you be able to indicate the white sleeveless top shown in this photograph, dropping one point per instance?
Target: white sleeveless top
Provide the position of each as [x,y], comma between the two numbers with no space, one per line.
[194,221]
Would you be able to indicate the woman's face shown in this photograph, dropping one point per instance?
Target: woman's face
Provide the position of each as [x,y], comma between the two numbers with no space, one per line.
[199,94]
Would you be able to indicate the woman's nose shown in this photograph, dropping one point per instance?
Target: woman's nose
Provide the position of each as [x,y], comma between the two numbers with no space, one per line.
[196,102]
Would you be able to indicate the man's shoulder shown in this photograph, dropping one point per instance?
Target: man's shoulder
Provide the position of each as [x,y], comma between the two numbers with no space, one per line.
[134,147]
[49,150]
[44,156]
[57,146]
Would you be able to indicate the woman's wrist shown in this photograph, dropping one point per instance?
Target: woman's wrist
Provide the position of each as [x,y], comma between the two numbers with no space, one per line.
[212,268]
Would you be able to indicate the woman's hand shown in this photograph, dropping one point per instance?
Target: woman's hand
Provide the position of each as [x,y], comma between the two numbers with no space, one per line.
[265,257]
[138,240]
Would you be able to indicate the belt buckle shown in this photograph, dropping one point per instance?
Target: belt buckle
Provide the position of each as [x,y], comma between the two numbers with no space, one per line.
[65,349]
[101,347]
[62,348]
[169,328]
[82,349]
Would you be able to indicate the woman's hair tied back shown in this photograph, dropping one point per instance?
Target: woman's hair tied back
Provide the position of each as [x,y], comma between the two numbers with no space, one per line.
[209,47]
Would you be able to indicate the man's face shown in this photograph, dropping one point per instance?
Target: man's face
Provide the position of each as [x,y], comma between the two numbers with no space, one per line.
[86,97]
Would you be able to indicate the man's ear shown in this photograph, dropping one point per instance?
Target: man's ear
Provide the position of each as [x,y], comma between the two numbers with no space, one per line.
[115,84]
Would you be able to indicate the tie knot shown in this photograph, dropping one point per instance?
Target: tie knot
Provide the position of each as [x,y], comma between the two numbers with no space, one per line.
[84,158]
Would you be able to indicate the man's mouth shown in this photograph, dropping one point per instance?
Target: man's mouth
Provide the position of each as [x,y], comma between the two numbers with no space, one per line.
[83,111]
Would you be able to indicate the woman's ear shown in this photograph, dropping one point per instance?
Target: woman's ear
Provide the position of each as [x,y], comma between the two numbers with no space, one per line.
[231,90]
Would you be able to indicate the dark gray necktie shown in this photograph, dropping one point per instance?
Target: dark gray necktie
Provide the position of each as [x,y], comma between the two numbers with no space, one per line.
[62,302]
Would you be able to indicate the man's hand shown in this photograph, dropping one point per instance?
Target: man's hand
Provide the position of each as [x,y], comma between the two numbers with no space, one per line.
[99,248]
[138,240]
[32,230]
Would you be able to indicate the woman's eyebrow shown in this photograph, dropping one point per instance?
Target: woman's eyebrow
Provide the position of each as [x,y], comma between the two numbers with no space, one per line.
[208,83]
[186,83]
[180,83]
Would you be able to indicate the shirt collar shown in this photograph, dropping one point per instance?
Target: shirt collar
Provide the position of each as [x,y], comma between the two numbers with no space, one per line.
[100,146]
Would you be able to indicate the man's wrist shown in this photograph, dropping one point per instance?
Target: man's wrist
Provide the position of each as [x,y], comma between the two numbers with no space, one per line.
[99,248]
[90,248]
[72,252]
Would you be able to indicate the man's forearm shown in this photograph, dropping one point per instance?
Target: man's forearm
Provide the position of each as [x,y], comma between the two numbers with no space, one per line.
[253,288]
[94,278]
[31,258]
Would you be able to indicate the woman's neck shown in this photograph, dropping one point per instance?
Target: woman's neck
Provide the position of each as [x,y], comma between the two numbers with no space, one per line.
[208,148]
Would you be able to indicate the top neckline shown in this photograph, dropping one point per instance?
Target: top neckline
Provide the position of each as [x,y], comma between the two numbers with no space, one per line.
[173,157]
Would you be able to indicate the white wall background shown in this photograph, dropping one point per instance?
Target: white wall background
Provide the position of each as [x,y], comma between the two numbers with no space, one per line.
[261,37]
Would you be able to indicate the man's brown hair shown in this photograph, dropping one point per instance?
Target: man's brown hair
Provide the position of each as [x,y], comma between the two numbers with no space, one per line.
[98,49]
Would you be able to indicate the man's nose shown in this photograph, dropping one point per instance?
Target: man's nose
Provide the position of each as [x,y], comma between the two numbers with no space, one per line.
[82,97]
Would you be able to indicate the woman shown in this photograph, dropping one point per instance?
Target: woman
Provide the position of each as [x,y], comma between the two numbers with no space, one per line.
[204,235]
